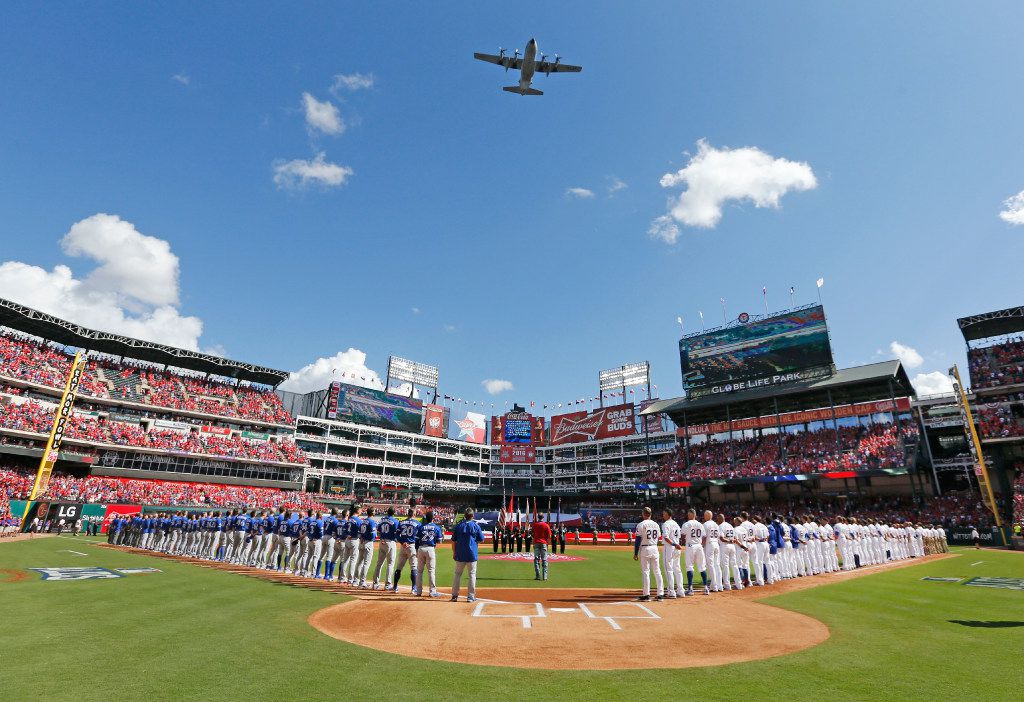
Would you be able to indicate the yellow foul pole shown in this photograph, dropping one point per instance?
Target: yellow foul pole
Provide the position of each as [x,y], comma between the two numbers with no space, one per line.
[60,423]
[980,467]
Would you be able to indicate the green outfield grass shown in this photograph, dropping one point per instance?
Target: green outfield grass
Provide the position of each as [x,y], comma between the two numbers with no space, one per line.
[192,632]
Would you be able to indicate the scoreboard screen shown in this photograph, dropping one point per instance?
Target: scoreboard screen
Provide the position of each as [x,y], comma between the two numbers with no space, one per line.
[518,429]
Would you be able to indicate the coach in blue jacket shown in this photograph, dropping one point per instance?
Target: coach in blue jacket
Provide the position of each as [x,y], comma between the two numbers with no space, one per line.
[465,537]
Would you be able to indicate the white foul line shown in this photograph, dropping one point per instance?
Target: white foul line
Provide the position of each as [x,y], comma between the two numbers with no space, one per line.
[978,563]
[67,550]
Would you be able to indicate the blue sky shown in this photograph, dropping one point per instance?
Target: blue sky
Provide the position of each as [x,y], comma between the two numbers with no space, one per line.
[908,117]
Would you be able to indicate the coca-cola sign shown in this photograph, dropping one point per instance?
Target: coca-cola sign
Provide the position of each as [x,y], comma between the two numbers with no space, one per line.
[604,423]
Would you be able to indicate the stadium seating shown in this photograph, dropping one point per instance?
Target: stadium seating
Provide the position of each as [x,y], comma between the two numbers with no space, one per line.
[859,448]
[16,484]
[997,365]
[33,417]
[997,421]
[37,362]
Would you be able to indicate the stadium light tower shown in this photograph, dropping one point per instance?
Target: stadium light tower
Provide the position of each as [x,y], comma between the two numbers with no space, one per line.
[411,372]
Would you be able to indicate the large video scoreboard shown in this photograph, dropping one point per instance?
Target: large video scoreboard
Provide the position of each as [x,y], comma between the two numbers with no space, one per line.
[751,353]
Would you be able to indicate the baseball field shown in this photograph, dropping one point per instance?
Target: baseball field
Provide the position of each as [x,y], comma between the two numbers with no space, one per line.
[83,621]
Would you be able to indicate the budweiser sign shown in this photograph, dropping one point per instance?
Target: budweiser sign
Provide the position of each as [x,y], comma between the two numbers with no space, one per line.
[604,423]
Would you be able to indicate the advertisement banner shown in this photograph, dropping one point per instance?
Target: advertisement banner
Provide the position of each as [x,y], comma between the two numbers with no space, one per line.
[333,392]
[783,348]
[472,428]
[70,513]
[220,431]
[604,423]
[823,414]
[540,437]
[377,408]
[497,430]
[434,423]
[652,423]
[182,427]
[518,453]
[257,435]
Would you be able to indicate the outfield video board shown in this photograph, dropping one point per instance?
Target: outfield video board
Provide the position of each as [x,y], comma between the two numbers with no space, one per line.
[775,350]
[374,407]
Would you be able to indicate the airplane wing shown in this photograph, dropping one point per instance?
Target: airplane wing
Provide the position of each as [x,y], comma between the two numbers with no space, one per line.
[552,67]
[504,61]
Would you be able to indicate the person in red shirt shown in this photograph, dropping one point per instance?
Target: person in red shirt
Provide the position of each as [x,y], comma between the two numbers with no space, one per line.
[541,531]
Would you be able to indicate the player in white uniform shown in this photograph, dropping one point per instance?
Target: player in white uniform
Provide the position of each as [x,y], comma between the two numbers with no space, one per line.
[712,551]
[693,557]
[671,552]
[760,532]
[645,550]
[727,535]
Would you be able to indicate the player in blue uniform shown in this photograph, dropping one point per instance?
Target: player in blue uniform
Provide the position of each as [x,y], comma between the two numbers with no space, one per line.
[387,532]
[314,546]
[408,535]
[351,552]
[367,538]
[331,525]
[426,559]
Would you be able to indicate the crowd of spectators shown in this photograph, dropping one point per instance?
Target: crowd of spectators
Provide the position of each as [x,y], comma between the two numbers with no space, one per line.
[31,416]
[1018,496]
[17,484]
[1000,364]
[45,364]
[998,421]
[821,451]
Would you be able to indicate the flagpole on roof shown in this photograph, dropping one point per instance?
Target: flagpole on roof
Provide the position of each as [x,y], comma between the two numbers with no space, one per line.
[820,282]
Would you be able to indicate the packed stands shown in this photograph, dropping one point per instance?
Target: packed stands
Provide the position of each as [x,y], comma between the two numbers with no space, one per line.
[31,416]
[16,484]
[1018,496]
[997,365]
[998,421]
[24,359]
[859,448]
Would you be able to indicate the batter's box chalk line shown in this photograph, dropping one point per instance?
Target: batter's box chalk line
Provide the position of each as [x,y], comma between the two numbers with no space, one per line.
[648,614]
[541,613]
[526,619]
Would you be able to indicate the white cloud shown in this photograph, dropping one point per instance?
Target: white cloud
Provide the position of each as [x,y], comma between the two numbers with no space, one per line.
[322,116]
[496,387]
[907,355]
[579,193]
[934,383]
[664,228]
[716,176]
[1014,212]
[346,366]
[416,310]
[615,186]
[449,327]
[181,78]
[300,173]
[132,289]
[352,81]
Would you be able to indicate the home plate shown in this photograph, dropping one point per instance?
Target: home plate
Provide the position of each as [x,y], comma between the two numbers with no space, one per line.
[562,609]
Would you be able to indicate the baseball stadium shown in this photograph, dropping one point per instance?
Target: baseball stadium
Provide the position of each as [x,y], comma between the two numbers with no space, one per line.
[202,531]
[775,497]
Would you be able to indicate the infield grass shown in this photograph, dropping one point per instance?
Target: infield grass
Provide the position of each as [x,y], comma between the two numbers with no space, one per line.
[190,632]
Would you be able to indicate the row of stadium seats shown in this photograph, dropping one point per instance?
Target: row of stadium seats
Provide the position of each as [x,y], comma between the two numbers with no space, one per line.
[1000,364]
[859,448]
[31,416]
[41,363]
[16,484]
[999,421]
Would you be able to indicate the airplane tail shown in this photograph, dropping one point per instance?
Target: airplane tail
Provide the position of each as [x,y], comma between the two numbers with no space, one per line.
[521,91]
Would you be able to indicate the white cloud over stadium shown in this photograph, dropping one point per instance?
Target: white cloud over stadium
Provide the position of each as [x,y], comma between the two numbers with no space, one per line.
[934,383]
[714,177]
[132,288]
[1014,212]
[322,116]
[908,356]
[301,173]
[495,386]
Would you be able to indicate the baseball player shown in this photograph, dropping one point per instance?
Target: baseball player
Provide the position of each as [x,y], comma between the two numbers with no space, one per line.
[408,534]
[367,539]
[330,539]
[760,534]
[387,533]
[712,551]
[314,545]
[672,551]
[727,535]
[350,552]
[645,550]
[693,556]
[426,559]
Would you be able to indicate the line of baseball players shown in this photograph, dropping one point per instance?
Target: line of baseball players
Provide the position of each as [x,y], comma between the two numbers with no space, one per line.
[328,546]
[731,555]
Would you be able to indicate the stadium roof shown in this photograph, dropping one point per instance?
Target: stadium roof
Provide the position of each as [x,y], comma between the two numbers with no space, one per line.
[983,326]
[858,384]
[36,323]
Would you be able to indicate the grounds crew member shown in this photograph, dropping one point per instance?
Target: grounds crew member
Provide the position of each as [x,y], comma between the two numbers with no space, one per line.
[465,537]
